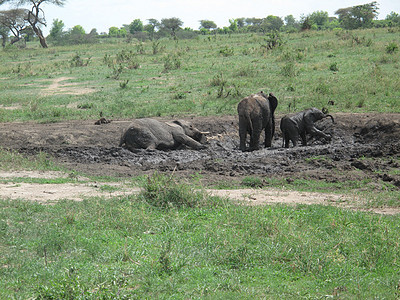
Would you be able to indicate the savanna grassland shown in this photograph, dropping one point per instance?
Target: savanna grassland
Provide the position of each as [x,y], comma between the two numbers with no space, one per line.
[173,239]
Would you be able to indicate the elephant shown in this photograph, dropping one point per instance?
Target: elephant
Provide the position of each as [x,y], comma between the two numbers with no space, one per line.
[301,124]
[152,134]
[256,112]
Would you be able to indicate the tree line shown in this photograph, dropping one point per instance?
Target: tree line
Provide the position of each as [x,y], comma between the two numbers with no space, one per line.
[22,24]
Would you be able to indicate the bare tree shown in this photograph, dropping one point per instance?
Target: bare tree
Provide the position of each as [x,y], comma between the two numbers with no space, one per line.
[35,15]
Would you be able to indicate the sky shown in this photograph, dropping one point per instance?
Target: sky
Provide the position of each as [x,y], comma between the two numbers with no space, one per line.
[103,14]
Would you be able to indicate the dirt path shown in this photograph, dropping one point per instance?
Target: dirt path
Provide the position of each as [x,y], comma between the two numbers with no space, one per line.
[51,193]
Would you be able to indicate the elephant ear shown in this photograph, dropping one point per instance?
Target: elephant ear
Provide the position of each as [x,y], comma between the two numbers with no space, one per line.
[273,102]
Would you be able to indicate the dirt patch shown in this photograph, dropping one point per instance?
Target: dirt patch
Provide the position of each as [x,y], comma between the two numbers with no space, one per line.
[364,147]
[60,86]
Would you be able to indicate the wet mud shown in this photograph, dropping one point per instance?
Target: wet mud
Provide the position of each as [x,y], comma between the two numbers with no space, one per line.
[363,146]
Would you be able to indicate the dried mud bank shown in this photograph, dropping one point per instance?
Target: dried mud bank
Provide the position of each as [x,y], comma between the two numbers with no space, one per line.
[363,146]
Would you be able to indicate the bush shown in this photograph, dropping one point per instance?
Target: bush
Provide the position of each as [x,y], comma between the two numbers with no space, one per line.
[392,48]
[163,191]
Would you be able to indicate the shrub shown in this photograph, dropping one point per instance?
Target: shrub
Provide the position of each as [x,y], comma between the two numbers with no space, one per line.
[164,192]
[392,48]
[334,67]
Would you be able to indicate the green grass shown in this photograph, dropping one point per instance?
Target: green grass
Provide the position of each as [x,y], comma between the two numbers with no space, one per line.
[310,69]
[172,241]
[128,248]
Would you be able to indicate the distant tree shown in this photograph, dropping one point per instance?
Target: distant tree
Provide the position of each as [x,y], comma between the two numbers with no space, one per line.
[359,16]
[113,31]
[393,19]
[15,21]
[206,24]
[4,31]
[306,23]
[151,27]
[78,30]
[241,22]
[171,25]
[57,30]
[35,16]
[135,26]
[319,18]
[290,21]
[233,25]
[272,23]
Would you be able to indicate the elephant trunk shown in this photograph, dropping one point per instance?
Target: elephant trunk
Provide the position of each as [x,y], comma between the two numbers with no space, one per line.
[333,121]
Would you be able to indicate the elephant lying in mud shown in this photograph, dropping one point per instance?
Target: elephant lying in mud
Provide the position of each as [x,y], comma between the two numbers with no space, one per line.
[256,112]
[152,134]
[301,124]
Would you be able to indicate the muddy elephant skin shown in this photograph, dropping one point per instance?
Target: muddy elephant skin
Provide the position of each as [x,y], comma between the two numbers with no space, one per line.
[152,134]
[301,124]
[256,112]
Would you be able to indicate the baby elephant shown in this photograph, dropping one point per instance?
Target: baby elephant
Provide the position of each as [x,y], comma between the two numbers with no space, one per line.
[152,134]
[300,124]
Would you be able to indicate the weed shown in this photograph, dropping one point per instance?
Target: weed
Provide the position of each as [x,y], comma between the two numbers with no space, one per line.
[392,48]
[124,84]
[171,62]
[77,61]
[164,192]
[254,182]
[227,51]
[334,67]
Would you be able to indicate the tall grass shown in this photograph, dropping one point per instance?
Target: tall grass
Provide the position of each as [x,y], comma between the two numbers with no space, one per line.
[303,60]
[128,248]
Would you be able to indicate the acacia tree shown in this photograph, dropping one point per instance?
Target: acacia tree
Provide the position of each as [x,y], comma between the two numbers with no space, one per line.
[35,16]
[358,16]
[171,25]
[15,21]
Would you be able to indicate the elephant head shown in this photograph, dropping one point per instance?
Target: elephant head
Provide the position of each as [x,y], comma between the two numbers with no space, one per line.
[316,114]
[191,131]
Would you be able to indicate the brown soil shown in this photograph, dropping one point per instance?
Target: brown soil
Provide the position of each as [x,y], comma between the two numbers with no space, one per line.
[364,146]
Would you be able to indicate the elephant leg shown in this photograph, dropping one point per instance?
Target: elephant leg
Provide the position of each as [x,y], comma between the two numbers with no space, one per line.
[268,136]
[303,138]
[294,137]
[242,133]
[255,138]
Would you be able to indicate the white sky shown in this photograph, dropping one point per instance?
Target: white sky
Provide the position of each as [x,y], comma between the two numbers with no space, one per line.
[103,14]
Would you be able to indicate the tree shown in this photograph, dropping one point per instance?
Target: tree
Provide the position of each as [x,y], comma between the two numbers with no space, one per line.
[15,21]
[57,30]
[272,23]
[171,25]
[393,18]
[4,34]
[151,27]
[35,16]
[206,24]
[359,16]
[135,26]
[319,18]
[233,25]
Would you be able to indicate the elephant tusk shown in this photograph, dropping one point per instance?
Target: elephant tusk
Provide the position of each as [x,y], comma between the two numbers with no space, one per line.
[333,121]
[204,132]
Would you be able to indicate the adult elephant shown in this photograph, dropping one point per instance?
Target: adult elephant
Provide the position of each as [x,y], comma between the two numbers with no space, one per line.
[256,112]
[301,124]
[152,134]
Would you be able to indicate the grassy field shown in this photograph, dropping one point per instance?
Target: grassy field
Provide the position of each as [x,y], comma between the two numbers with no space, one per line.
[356,70]
[172,241]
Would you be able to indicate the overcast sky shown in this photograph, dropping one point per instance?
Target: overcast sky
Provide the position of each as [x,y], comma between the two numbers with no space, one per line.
[103,14]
